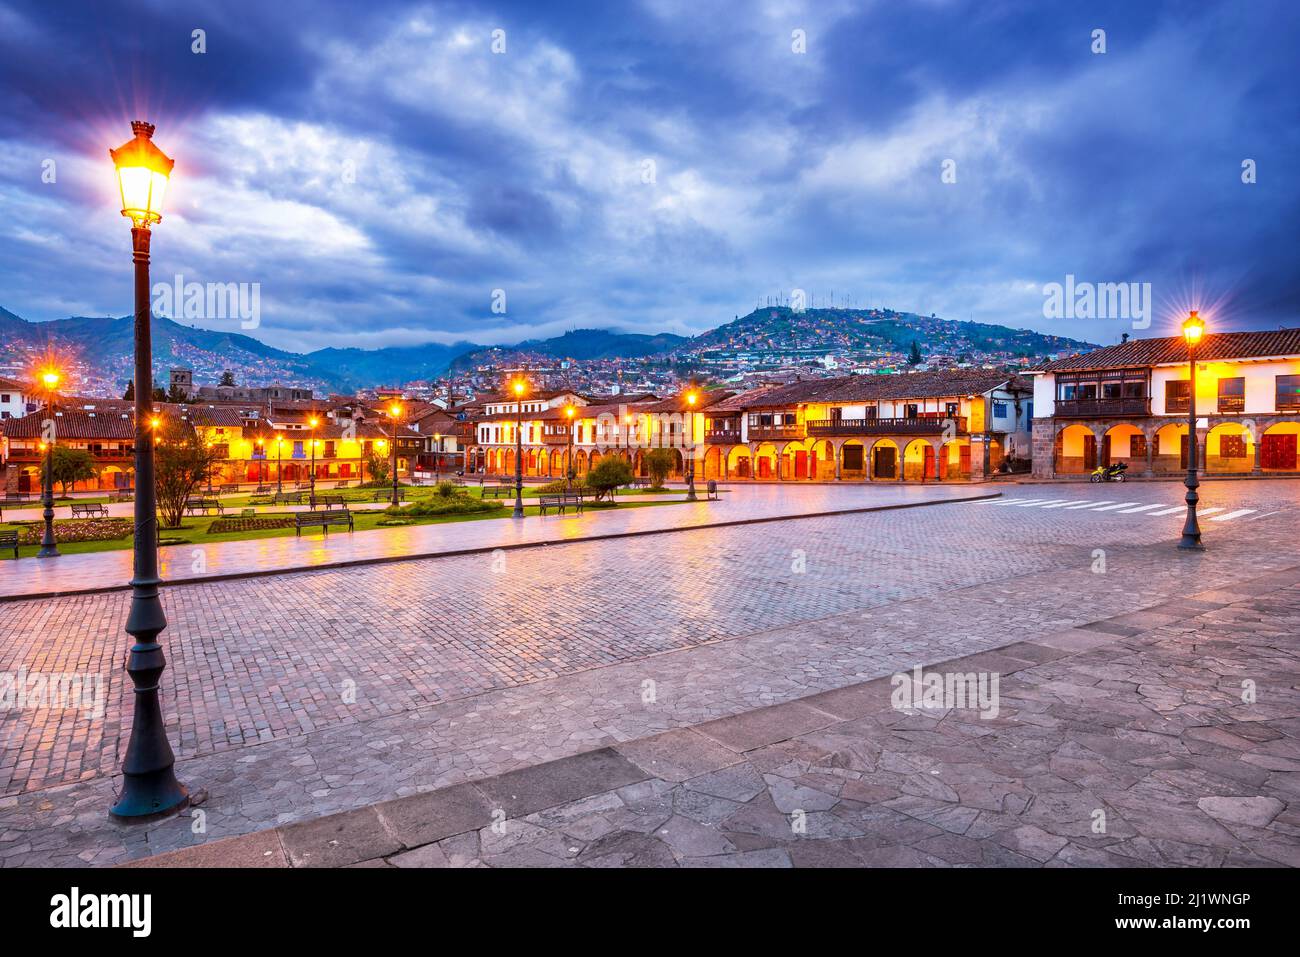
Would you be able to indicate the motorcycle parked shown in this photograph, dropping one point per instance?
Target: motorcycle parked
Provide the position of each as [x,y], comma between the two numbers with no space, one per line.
[1109,473]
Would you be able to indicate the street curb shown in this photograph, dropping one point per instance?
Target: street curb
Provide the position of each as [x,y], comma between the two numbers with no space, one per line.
[484,549]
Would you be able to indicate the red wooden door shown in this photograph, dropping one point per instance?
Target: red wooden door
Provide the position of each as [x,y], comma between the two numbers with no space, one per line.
[965,460]
[800,465]
[1279,451]
[1089,452]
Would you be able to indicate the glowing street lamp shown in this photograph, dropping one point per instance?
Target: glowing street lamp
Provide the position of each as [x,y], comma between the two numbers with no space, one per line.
[1193,332]
[49,548]
[519,387]
[688,447]
[437,455]
[394,411]
[313,422]
[279,464]
[149,785]
[568,460]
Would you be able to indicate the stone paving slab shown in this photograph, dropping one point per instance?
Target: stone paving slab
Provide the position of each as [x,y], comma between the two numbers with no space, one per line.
[108,571]
[728,631]
[1169,783]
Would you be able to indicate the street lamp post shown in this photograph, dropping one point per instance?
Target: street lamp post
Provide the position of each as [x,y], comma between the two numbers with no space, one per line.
[312,477]
[279,464]
[519,449]
[49,548]
[149,785]
[688,446]
[394,411]
[568,458]
[1193,330]
[437,458]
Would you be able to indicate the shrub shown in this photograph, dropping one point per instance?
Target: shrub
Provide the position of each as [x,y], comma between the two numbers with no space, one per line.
[608,474]
[460,504]
[222,525]
[659,463]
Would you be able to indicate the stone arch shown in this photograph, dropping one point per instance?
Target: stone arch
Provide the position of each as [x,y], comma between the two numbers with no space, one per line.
[765,458]
[1229,447]
[884,460]
[1076,450]
[853,461]
[738,462]
[1167,448]
[920,460]
[1124,442]
[955,460]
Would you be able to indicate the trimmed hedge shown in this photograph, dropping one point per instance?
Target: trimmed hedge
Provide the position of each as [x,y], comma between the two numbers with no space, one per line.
[222,525]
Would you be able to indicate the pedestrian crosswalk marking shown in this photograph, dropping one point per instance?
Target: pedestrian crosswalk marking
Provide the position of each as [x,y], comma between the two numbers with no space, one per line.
[1130,508]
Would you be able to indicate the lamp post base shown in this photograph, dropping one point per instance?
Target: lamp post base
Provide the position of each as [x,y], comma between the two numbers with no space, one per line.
[150,798]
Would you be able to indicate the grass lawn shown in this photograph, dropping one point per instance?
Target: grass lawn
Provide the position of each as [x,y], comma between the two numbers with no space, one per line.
[194,530]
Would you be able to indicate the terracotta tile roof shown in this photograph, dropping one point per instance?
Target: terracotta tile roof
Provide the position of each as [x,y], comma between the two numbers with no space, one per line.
[13,385]
[1216,346]
[937,384]
[73,424]
[678,403]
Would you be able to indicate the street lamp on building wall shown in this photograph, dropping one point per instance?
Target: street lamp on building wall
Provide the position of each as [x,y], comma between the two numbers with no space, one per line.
[49,548]
[1193,331]
[149,785]
[519,388]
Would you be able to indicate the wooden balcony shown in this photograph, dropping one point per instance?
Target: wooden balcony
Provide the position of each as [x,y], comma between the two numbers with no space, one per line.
[769,433]
[903,426]
[1100,408]
[549,438]
[722,437]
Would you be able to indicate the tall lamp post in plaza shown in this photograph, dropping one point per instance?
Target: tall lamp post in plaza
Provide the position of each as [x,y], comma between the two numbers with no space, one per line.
[49,548]
[568,459]
[688,445]
[279,464]
[437,458]
[149,785]
[394,411]
[313,421]
[519,389]
[1193,331]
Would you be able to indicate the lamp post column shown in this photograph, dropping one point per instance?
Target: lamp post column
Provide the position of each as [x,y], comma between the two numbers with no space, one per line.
[1191,539]
[394,454]
[519,456]
[279,465]
[49,548]
[149,785]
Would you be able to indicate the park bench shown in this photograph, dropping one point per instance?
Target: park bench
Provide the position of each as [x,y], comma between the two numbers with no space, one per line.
[639,483]
[302,486]
[9,540]
[122,495]
[712,490]
[286,498]
[344,483]
[386,495]
[89,511]
[329,501]
[16,498]
[229,488]
[261,488]
[202,505]
[504,486]
[323,519]
[560,502]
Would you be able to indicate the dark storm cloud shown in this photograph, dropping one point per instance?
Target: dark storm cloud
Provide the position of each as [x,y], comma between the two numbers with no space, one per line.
[655,165]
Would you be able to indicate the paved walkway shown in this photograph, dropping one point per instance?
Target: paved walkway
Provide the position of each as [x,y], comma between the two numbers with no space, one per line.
[304,694]
[1123,743]
[71,574]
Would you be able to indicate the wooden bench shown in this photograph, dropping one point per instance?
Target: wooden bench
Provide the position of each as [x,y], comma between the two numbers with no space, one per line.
[286,498]
[560,502]
[122,495]
[17,498]
[639,483]
[323,519]
[329,501]
[89,511]
[386,495]
[503,487]
[202,505]
[261,489]
[229,488]
[9,540]
[343,484]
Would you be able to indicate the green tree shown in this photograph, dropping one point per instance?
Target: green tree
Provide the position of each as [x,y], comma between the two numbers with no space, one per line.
[159,394]
[182,462]
[659,463]
[177,395]
[608,474]
[914,357]
[70,466]
[377,467]
[227,378]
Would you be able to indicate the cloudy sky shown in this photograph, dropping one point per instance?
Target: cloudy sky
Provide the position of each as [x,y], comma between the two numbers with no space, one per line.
[380,169]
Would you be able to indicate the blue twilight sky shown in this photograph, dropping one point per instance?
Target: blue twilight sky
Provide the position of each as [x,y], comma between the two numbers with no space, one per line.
[380,170]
